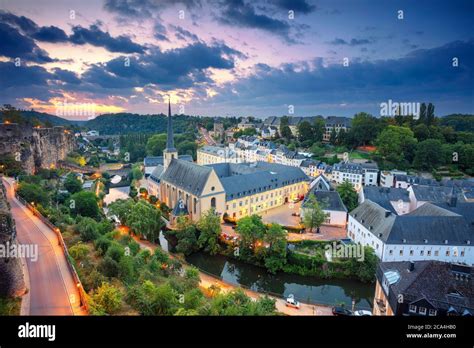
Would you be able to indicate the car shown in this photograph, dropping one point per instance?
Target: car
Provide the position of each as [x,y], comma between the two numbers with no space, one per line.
[291,302]
[341,311]
[295,214]
[362,313]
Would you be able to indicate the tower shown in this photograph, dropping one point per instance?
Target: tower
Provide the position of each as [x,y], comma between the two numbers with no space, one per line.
[170,152]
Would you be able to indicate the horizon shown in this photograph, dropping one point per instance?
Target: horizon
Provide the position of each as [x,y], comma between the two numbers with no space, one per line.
[237,58]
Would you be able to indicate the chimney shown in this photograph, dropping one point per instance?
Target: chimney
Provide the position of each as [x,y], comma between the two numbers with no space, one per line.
[411,266]
[453,200]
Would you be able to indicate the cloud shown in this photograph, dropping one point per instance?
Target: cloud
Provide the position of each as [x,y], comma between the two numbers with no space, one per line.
[301,6]
[15,45]
[96,37]
[352,42]
[421,75]
[145,8]
[21,22]
[50,34]
[184,34]
[160,32]
[240,14]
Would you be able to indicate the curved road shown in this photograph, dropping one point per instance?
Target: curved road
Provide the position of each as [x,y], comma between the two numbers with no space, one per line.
[52,290]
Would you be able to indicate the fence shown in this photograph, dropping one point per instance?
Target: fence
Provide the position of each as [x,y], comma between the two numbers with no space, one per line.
[82,292]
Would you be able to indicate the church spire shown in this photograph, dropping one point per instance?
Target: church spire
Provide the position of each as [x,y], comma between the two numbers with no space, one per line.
[169,139]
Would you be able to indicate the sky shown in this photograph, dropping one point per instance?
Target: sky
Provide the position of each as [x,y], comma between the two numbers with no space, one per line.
[236,57]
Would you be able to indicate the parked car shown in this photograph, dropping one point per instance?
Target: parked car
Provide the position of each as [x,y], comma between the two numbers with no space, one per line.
[291,302]
[295,214]
[341,311]
[362,313]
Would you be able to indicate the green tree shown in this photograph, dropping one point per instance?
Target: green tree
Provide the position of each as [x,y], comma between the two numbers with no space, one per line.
[428,154]
[314,215]
[364,129]
[210,230]
[430,116]
[156,144]
[145,220]
[33,193]
[84,203]
[251,229]
[88,229]
[396,144]
[286,132]
[333,136]
[122,208]
[275,255]
[305,131]
[186,235]
[107,299]
[72,184]
[348,195]
[319,128]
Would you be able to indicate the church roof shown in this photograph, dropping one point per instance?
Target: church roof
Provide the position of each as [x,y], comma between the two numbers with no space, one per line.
[188,176]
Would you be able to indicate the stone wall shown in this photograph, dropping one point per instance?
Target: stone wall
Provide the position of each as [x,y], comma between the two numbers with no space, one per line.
[11,274]
[35,147]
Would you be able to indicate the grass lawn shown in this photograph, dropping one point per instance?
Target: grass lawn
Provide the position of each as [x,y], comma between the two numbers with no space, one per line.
[359,155]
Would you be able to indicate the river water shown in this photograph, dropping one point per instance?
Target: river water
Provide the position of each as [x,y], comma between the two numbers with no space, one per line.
[304,288]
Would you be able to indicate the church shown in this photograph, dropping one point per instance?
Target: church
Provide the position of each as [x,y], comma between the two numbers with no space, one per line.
[233,190]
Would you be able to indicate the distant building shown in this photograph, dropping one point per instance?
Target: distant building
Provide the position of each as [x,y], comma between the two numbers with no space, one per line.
[329,200]
[358,174]
[337,123]
[219,130]
[427,233]
[421,194]
[387,177]
[216,154]
[245,124]
[405,181]
[424,288]
[151,162]
[269,132]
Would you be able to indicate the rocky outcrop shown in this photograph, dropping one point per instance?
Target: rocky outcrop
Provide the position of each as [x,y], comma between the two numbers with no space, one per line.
[11,274]
[35,147]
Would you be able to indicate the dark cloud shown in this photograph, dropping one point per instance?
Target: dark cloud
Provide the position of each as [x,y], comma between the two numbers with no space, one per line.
[160,32]
[419,76]
[15,45]
[301,6]
[352,42]
[145,8]
[96,37]
[184,34]
[21,22]
[50,34]
[241,14]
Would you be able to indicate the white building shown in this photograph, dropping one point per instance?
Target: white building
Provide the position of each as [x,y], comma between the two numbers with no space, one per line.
[396,200]
[215,154]
[428,233]
[387,177]
[358,174]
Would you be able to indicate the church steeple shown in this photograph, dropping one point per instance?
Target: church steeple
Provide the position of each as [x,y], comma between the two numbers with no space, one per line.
[169,139]
[170,152]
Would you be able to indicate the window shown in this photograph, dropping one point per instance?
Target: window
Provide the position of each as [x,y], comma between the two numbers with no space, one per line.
[447,253]
[429,252]
[462,253]
[401,252]
[412,308]
[422,311]
[411,252]
[432,312]
[421,252]
[390,252]
[213,202]
[436,252]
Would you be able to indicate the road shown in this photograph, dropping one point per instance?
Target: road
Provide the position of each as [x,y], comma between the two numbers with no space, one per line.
[208,280]
[207,137]
[52,290]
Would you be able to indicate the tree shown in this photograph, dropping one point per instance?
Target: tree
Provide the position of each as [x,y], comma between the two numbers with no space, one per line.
[333,136]
[156,144]
[137,173]
[186,235]
[275,255]
[150,299]
[107,299]
[72,184]
[317,150]
[33,193]
[314,215]
[364,129]
[286,132]
[422,118]
[145,220]
[121,208]
[88,229]
[210,229]
[251,229]
[305,131]
[319,128]
[396,144]
[84,203]
[348,195]
[428,154]
[430,116]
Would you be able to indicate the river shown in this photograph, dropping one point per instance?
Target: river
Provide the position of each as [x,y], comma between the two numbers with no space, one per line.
[304,288]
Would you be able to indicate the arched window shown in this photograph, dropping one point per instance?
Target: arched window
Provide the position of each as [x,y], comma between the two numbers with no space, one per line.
[213,202]
[194,205]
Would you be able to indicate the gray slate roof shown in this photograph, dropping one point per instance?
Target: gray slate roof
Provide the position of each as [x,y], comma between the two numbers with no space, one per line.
[187,176]
[435,193]
[153,161]
[413,228]
[384,195]
[329,200]
[245,179]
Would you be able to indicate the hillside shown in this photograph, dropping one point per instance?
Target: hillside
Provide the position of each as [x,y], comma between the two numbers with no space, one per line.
[48,118]
[125,123]
[460,122]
